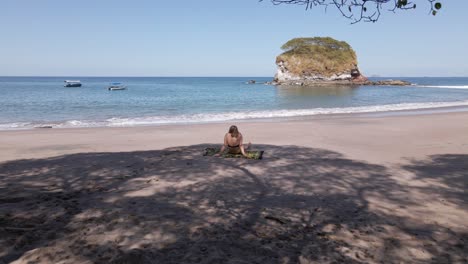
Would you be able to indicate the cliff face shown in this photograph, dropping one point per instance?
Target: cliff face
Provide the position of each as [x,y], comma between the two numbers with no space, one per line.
[317,60]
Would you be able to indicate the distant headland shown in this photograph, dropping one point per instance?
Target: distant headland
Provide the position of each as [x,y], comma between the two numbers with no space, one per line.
[321,61]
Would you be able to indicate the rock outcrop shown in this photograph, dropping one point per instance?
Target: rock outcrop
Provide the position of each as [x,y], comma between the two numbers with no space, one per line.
[321,61]
[388,82]
[316,60]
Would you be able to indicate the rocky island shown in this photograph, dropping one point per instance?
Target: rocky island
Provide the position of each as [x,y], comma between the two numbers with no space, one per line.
[321,61]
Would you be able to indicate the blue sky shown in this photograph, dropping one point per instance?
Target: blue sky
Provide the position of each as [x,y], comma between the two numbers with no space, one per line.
[216,38]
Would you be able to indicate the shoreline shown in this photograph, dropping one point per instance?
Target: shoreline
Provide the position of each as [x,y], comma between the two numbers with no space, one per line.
[379,113]
[357,135]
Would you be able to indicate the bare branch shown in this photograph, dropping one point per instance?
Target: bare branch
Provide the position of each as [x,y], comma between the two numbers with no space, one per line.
[360,10]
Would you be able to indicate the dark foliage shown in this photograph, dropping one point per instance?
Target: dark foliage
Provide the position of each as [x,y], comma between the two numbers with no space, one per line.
[362,10]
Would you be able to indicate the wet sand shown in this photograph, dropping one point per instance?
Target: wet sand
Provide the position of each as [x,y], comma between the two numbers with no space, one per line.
[345,190]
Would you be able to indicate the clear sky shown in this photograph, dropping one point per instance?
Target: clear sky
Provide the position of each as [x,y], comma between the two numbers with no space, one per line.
[216,38]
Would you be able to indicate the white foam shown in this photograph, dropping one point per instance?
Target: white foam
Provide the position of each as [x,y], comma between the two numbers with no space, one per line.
[79,123]
[228,116]
[444,86]
[15,126]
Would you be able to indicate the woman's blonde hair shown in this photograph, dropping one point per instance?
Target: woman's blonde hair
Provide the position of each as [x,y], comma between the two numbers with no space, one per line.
[234,131]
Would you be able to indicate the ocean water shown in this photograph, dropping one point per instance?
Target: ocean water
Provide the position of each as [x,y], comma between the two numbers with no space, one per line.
[28,102]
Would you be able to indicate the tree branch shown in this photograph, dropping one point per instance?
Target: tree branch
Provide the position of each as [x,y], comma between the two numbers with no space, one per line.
[361,10]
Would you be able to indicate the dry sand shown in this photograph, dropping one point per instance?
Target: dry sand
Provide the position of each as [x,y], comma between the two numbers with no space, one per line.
[337,190]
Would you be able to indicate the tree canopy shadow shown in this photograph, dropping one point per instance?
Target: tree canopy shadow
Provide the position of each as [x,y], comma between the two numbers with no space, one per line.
[297,205]
[450,171]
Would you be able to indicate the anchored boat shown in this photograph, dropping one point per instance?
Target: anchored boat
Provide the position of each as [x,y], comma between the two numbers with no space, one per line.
[116,86]
[69,83]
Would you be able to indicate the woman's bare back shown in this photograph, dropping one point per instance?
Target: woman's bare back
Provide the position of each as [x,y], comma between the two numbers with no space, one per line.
[233,141]
[234,145]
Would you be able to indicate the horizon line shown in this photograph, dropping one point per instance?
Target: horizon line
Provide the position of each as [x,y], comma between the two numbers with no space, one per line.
[137,76]
[177,76]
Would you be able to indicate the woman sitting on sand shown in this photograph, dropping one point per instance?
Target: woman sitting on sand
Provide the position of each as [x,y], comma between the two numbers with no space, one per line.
[233,142]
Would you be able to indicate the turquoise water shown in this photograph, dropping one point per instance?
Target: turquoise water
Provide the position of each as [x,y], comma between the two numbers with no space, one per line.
[26,102]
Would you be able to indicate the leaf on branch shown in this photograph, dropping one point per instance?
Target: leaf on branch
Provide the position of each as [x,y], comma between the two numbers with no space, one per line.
[402,3]
[358,14]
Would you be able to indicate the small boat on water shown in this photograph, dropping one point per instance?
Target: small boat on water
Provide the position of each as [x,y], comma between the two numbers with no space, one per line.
[116,86]
[69,83]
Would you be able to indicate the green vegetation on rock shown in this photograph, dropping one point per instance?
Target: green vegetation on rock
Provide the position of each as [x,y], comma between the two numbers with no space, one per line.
[317,56]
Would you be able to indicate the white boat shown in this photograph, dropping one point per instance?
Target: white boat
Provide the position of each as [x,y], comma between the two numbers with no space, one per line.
[116,86]
[72,83]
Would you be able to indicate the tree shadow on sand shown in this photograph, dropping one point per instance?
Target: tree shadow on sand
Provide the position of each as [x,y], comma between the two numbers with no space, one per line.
[297,205]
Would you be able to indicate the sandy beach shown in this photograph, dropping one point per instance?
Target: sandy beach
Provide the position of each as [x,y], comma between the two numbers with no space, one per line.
[347,189]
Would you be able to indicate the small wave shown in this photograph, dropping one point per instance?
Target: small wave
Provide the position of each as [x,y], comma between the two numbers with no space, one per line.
[80,123]
[228,116]
[444,86]
[206,118]
[15,126]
